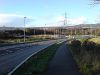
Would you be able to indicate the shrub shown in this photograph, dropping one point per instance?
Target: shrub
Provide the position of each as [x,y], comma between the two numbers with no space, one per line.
[89,57]
[88,46]
[76,44]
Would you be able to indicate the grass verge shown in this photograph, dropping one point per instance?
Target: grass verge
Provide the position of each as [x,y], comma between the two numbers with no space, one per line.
[21,42]
[38,63]
[96,40]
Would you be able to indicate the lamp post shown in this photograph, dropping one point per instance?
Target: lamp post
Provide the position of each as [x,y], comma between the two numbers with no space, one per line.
[24,29]
[45,31]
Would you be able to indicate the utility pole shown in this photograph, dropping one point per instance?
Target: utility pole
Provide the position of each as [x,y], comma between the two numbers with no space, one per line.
[34,31]
[54,33]
[24,29]
[44,31]
[95,32]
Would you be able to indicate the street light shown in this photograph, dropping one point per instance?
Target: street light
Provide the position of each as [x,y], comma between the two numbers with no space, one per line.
[24,28]
[45,31]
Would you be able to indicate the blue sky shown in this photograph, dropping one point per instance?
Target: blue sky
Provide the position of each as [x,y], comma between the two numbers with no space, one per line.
[49,11]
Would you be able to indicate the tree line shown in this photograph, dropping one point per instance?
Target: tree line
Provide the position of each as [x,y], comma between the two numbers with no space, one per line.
[50,31]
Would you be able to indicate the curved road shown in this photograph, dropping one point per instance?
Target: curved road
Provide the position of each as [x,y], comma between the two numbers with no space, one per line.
[11,60]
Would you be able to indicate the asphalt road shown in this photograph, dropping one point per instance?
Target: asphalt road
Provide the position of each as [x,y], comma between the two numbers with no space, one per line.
[16,56]
[63,63]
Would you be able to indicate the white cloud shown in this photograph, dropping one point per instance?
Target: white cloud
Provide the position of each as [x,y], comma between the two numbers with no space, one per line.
[79,20]
[18,20]
[59,21]
[97,20]
[13,20]
[60,18]
[98,17]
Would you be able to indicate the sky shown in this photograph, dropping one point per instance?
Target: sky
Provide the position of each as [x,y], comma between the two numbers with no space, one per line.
[41,13]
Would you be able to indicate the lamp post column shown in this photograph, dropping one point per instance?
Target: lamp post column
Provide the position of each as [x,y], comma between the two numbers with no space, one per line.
[24,29]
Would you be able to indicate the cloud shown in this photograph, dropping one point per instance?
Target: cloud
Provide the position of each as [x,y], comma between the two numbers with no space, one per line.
[60,18]
[98,19]
[79,20]
[59,21]
[72,21]
[96,1]
[14,20]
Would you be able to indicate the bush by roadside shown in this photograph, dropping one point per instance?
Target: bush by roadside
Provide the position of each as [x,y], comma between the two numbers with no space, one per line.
[87,56]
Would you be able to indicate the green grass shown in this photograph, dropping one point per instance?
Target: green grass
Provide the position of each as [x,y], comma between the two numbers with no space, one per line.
[96,40]
[38,63]
[13,41]
[9,42]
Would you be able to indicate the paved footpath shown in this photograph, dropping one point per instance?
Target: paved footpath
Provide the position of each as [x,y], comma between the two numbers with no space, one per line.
[63,63]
